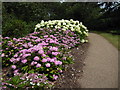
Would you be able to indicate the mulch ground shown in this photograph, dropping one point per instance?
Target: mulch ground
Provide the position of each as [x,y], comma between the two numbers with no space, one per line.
[68,79]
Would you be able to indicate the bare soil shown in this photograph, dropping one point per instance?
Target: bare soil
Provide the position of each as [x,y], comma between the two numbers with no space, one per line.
[73,72]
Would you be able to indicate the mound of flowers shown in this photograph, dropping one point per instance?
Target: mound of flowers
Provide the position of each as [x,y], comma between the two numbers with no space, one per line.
[72,25]
[37,60]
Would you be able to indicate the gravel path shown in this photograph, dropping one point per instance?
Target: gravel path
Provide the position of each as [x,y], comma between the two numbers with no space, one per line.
[101,70]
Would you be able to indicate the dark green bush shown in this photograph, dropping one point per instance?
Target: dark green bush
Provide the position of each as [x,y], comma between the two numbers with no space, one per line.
[15,28]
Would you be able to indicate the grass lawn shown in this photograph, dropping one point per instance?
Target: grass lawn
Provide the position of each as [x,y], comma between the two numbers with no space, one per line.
[114,39]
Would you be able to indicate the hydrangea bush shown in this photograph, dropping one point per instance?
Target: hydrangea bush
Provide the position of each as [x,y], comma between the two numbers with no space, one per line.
[38,59]
[72,25]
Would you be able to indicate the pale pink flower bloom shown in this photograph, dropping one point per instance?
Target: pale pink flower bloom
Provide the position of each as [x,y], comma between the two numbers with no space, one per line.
[38,65]
[36,58]
[2,55]
[44,60]
[41,52]
[55,77]
[48,65]
[13,67]
[24,61]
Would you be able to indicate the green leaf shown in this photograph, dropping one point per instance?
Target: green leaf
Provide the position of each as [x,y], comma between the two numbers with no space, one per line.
[47,69]
[46,74]
[25,68]
[31,71]
[52,71]
[22,85]
[51,76]
[15,80]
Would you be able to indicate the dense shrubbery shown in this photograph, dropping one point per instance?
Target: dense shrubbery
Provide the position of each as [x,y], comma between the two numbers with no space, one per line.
[72,25]
[37,59]
[16,28]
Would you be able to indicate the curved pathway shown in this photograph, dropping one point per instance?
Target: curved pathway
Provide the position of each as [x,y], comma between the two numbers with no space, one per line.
[101,70]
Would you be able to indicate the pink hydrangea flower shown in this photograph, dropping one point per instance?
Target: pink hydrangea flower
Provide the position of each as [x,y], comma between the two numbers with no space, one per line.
[41,52]
[48,59]
[16,55]
[48,65]
[64,58]
[36,58]
[44,60]
[60,71]
[12,59]
[55,53]
[17,59]
[38,65]
[25,45]
[4,87]
[24,61]
[14,39]
[16,72]
[43,55]
[45,36]
[33,63]
[53,48]
[58,63]
[13,67]
[2,55]
[38,40]
[7,38]
[55,77]
[26,55]
[52,41]
[7,48]
[52,60]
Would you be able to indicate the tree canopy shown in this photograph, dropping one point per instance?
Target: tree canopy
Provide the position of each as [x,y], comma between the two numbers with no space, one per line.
[94,15]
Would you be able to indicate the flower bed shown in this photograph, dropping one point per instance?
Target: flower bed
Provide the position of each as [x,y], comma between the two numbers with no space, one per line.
[39,58]
[72,25]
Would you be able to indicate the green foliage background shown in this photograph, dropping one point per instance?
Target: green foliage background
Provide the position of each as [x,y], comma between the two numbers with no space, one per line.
[20,18]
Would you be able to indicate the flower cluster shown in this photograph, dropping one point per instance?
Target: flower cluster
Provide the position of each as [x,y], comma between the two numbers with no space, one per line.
[40,53]
[72,25]
[64,24]
[27,81]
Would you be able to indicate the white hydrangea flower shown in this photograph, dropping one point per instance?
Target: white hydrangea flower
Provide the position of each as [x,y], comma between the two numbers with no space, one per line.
[64,23]
[47,26]
[38,84]
[41,24]
[67,24]
[59,24]
[31,83]
[86,30]
[38,26]
[86,40]
[56,27]
[72,29]
[85,33]
[84,27]
[82,40]
[35,29]
[71,20]
[64,29]
[80,23]
[63,20]
[30,79]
